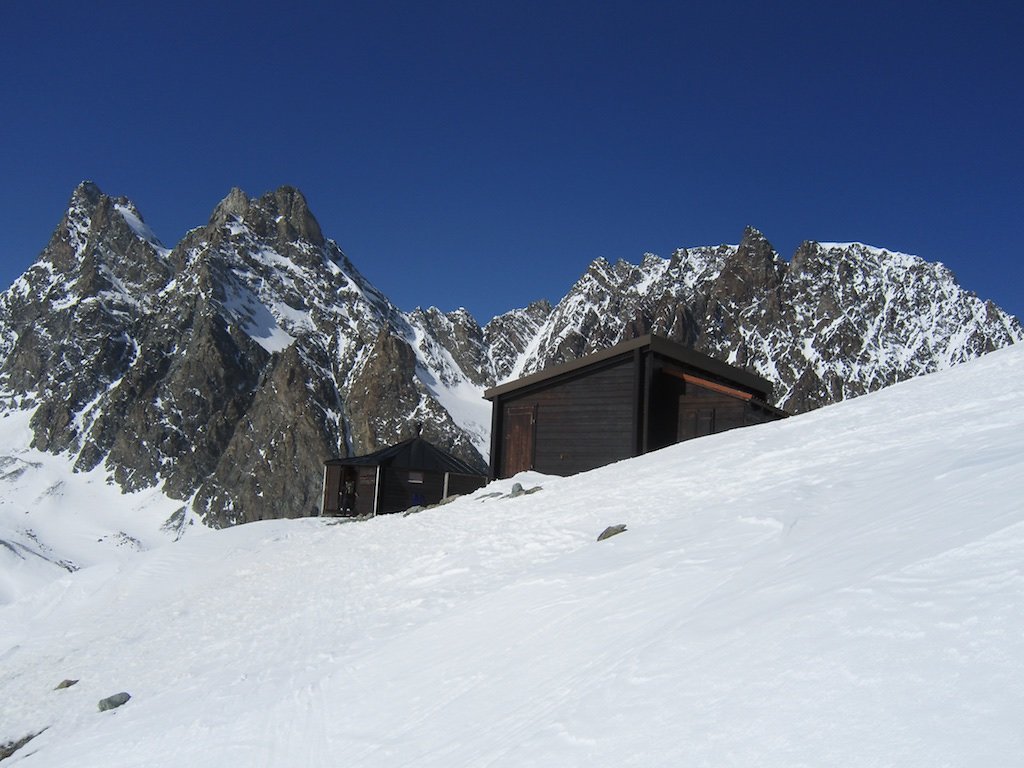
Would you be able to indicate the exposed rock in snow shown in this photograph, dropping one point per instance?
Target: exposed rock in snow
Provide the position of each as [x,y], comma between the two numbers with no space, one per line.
[115,701]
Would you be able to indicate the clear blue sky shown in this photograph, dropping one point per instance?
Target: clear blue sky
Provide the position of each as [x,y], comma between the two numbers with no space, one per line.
[482,154]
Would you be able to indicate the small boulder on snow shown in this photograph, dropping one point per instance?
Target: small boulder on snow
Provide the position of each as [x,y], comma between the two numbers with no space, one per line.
[611,530]
[115,701]
[518,490]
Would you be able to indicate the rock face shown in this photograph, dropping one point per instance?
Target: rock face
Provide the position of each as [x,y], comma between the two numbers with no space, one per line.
[228,368]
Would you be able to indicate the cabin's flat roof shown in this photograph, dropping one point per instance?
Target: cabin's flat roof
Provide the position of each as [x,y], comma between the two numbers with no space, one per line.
[658,345]
[415,453]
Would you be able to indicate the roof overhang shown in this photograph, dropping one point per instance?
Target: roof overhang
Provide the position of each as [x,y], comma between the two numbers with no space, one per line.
[656,344]
[416,454]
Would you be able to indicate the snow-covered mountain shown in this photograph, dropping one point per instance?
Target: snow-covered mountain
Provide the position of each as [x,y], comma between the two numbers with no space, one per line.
[225,370]
[853,597]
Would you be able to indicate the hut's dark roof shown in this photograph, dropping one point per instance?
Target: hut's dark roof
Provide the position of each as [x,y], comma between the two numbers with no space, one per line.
[415,454]
[658,344]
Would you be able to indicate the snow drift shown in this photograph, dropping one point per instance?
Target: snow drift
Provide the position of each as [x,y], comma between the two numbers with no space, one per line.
[841,588]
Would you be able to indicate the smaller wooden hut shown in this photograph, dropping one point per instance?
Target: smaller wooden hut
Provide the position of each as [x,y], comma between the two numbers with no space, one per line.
[395,478]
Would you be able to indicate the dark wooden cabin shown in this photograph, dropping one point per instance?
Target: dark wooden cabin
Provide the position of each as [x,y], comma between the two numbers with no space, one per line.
[394,479]
[635,397]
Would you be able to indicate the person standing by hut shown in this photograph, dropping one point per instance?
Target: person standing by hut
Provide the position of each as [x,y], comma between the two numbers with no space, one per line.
[347,503]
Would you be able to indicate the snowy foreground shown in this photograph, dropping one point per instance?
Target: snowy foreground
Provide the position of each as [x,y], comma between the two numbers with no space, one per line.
[53,520]
[842,588]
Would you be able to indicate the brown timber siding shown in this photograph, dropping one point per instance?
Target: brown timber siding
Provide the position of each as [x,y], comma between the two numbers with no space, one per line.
[582,423]
[397,493]
[704,411]
[463,484]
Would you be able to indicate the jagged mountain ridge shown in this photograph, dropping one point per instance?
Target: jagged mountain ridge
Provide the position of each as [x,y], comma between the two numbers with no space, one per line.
[837,321]
[227,368]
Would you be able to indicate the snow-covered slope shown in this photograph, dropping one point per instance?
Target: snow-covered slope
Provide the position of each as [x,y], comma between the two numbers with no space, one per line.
[54,521]
[840,588]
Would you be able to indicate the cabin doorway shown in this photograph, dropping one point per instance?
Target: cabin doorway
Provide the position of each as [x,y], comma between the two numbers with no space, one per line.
[517,454]
[348,492]
[696,422]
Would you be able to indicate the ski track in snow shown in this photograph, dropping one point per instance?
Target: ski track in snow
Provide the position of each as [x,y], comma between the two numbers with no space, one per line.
[840,588]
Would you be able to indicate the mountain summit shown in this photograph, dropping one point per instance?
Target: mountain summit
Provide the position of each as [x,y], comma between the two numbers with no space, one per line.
[225,370]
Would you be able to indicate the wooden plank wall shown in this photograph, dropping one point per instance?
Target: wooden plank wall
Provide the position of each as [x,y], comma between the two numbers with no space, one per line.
[463,484]
[725,413]
[397,494]
[584,422]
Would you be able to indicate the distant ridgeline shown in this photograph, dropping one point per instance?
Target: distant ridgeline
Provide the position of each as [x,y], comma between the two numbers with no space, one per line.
[229,367]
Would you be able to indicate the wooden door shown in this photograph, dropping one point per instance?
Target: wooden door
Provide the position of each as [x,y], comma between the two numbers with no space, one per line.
[366,491]
[517,452]
[696,422]
[332,487]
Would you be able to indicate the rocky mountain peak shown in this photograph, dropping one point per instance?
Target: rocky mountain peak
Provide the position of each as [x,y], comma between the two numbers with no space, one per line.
[100,244]
[600,267]
[752,270]
[539,309]
[651,261]
[292,215]
[227,369]
[72,233]
[805,257]
[756,253]
[282,216]
[753,237]
[234,206]
[86,195]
